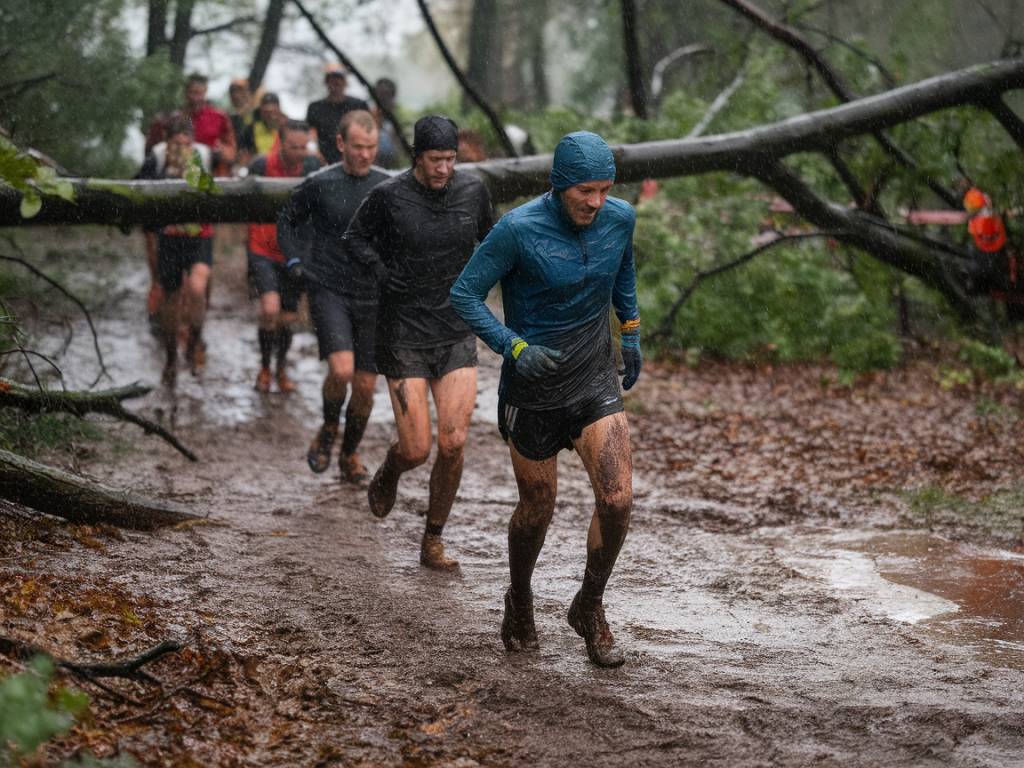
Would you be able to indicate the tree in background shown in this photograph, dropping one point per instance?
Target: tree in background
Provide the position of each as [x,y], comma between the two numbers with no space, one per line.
[70,85]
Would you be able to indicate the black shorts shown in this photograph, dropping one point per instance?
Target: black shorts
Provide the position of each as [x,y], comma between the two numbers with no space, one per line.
[177,254]
[427,363]
[343,325]
[539,435]
[268,276]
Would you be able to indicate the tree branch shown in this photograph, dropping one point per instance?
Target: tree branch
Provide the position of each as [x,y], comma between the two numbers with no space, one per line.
[835,83]
[235,22]
[107,402]
[88,317]
[1007,118]
[62,494]
[347,62]
[479,100]
[663,330]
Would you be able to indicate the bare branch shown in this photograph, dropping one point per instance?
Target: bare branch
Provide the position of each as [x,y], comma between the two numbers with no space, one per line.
[88,317]
[720,102]
[479,100]
[883,70]
[347,62]
[658,73]
[1007,118]
[108,401]
[668,321]
[238,21]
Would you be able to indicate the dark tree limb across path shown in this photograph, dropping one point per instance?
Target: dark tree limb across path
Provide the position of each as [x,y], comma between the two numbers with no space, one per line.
[108,401]
[62,494]
[755,152]
[123,203]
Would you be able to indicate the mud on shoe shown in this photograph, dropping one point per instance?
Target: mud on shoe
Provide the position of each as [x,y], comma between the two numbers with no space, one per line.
[432,555]
[285,384]
[352,469]
[590,624]
[263,379]
[319,455]
[381,494]
[518,632]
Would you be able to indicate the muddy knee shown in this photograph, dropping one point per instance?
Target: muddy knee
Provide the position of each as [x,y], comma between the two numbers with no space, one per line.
[615,507]
[412,455]
[451,443]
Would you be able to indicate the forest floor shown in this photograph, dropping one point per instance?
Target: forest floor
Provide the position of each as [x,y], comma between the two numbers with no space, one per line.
[814,574]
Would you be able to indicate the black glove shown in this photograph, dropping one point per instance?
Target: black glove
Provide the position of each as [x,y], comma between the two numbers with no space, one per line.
[534,362]
[294,267]
[632,358]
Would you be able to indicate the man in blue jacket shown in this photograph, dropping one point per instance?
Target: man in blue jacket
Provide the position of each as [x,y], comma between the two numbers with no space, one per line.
[563,259]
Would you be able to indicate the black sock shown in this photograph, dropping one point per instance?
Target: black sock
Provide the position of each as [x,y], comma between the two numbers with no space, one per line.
[332,411]
[355,428]
[267,339]
[434,529]
[284,343]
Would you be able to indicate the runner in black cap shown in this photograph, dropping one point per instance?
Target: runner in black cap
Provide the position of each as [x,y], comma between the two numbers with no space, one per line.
[416,232]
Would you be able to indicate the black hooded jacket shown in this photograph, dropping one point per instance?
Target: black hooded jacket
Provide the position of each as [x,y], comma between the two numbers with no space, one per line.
[416,241]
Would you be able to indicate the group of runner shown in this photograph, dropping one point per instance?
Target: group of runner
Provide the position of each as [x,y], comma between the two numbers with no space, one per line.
[397,270]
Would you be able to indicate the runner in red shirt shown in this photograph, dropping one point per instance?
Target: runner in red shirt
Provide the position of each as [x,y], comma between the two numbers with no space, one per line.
[278,287]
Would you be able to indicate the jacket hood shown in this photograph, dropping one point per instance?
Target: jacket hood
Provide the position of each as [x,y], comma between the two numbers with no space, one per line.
[580,157]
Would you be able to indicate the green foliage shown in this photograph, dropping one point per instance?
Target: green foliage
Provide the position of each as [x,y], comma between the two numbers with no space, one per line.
[70,84]
[29,716]
[32,435]
[31,178]
[997,514]
[987,361]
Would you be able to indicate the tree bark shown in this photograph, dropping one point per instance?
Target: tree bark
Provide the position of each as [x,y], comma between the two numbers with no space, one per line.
[484,62]
[634,65]
[182,31]
[55,492]
[268,42]
[156,26]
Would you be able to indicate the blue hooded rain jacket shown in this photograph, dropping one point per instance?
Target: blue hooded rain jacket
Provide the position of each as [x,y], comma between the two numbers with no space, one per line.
[557,282]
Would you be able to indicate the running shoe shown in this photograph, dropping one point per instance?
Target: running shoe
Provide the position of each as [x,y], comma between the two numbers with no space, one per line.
[263,379]
[432,554]
[518,631]
[381,494]
[319,455]
[284,382]
[590,624]
[352,469]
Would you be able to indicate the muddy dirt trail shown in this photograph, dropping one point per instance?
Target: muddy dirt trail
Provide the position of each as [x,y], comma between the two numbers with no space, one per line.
[753,640]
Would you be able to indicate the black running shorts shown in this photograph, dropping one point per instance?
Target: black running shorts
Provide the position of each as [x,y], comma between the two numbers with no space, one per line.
[177,254]
[427,363]
[539,435]
[268,276]
[343,325]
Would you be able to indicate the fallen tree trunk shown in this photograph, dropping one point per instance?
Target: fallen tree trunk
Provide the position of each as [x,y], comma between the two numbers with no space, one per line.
[252,199]
[62,494]
[107,401]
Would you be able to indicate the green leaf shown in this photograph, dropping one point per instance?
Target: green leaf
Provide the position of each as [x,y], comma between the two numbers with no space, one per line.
[31,203]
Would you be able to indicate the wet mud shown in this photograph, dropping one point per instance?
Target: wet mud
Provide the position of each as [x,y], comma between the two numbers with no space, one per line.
[772,630]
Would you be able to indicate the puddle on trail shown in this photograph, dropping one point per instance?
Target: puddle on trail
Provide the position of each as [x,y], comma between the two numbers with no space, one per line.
[967,595]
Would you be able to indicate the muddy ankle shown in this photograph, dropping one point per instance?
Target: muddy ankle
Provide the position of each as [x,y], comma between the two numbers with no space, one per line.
[432,554]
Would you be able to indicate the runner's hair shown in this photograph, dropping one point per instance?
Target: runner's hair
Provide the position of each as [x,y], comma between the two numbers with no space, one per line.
[360,117]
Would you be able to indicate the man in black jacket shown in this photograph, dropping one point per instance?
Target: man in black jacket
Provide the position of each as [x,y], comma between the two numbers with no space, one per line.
[342,297]
[416,232]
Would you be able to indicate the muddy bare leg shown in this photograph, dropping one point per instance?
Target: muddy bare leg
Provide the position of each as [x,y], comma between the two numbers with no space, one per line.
[605,451]
[454,398]
[527,529]
[412,418]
